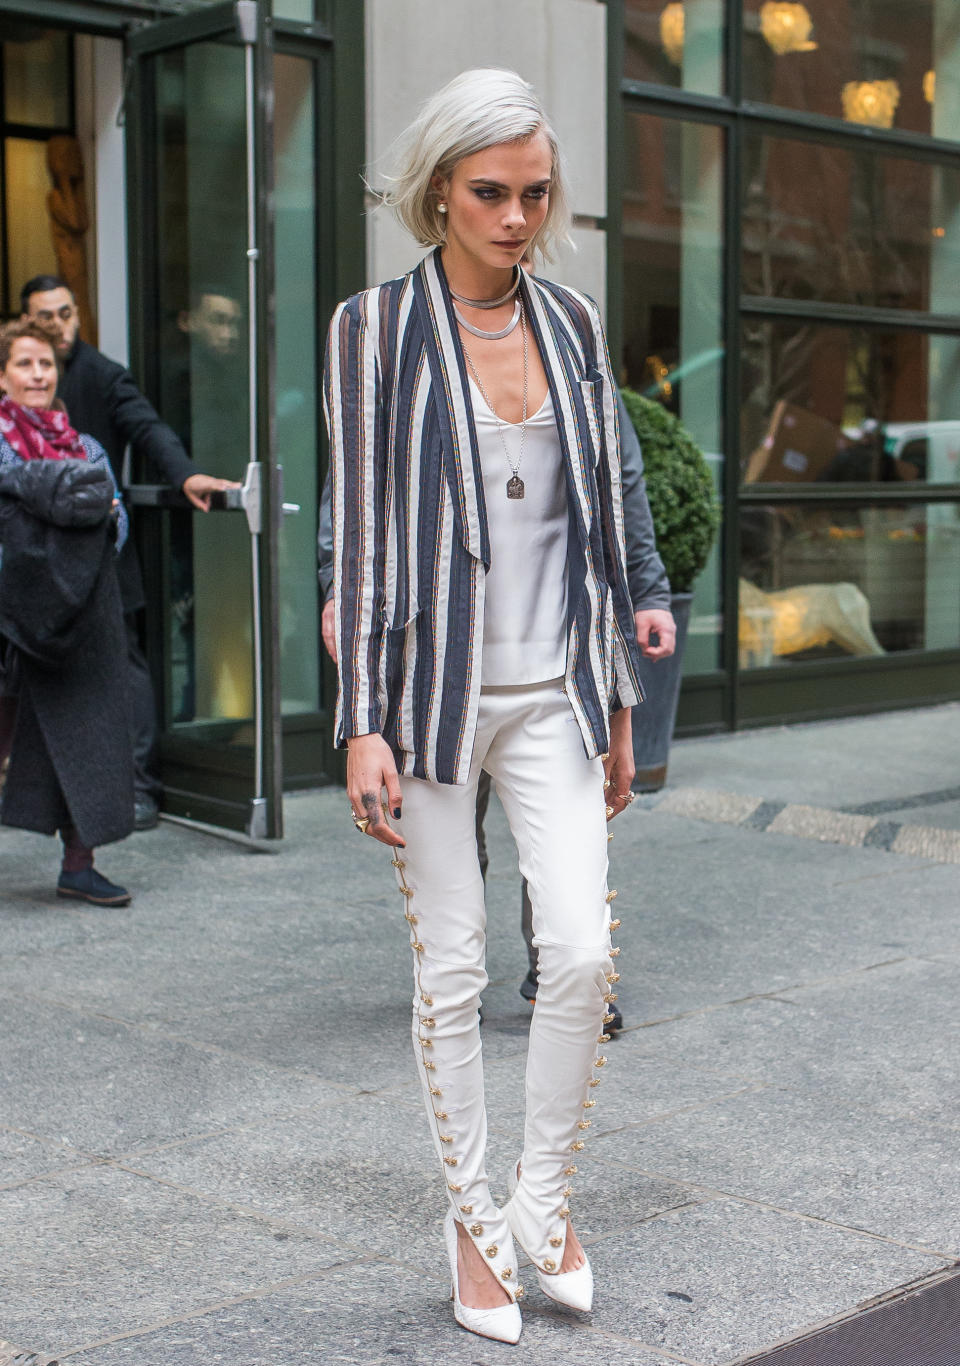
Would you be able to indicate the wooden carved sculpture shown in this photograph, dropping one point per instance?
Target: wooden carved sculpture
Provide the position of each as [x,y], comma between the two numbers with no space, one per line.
[67,207]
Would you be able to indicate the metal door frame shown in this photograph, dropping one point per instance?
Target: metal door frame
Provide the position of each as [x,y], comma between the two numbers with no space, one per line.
[245,23]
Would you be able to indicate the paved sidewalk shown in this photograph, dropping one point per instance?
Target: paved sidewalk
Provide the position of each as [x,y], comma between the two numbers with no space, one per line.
[211,1142]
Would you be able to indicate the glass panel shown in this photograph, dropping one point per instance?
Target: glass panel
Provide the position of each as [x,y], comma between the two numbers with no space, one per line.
[301,10]
[676,44]
[866,61]
[844,581]
[36,79]
[296,378]
[672,306]
[30,245]
[851,227]
[836,404]
[203,369]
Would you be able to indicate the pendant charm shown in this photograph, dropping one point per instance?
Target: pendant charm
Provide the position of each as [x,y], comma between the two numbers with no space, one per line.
[515,487]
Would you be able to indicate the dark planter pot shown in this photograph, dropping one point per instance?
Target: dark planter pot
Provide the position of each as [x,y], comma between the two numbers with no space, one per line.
[654,719]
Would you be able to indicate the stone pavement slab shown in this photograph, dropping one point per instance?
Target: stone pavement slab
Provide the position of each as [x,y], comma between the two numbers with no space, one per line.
[884,1039]
[371,1315]
[848,1165]
[211,1143]
[829,763]
[105,1088]
[101,1251]
[716,1280]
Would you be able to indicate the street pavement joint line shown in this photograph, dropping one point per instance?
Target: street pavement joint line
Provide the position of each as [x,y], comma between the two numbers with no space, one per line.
[270,1221]
[813,982]
[693,1108]
[886,804]
[718,1193]
[202,1311]
[49,1175]
[846,1316]
[544,1311]
[152,1032]
[245,1126]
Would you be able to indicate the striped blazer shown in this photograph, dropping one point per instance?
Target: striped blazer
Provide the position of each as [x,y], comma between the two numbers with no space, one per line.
[411,547]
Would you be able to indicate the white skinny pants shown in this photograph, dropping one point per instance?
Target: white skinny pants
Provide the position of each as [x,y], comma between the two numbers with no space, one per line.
[530,744]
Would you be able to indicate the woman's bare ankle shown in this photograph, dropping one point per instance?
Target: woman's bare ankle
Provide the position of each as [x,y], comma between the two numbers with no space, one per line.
[573,1254]
[479,1287]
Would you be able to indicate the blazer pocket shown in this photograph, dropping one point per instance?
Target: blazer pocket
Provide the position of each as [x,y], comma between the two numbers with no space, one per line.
[592,393]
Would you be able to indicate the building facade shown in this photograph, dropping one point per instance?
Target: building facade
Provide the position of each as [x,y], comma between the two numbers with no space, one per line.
[766,205]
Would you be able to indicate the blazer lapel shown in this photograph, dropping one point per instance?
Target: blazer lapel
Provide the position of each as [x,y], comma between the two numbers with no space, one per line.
[555,349]
[451,394]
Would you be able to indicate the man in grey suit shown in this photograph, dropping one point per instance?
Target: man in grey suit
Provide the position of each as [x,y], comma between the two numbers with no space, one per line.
[649,593]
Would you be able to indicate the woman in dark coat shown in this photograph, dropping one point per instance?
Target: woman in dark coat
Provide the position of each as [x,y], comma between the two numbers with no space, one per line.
[63,700]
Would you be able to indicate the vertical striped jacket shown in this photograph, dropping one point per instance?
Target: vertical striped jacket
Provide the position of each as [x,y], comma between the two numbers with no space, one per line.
[411,547]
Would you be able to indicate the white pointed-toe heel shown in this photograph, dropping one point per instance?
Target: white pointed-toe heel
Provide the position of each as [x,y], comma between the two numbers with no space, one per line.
[504,1323]
[571,1289]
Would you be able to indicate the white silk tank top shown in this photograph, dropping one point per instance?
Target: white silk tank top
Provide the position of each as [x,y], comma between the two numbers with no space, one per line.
[525,600]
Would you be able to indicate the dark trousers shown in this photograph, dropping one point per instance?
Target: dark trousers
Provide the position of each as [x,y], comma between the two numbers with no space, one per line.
[143,715]
[526,906]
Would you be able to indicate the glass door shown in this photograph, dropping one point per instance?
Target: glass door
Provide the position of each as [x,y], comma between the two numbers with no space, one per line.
[199,140]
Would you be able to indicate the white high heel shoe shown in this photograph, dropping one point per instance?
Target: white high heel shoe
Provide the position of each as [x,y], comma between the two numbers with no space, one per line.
[503,1324]
[572,1289]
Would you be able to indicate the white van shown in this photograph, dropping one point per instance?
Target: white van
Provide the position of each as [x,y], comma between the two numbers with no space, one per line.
[932,448]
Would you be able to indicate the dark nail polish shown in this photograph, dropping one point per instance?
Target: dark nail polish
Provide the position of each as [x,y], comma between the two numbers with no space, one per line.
[396,813]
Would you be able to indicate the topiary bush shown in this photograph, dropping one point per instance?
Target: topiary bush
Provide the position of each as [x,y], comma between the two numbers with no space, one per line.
[686,513]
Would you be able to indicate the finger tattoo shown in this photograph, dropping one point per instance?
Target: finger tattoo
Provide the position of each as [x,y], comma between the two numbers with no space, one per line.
[371,806]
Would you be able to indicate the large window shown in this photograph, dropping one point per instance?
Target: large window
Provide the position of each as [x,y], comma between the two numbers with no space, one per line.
[840,404]
[882,63]
[849,225]
[39,234]
[787,280]
[675,44]
[672,321]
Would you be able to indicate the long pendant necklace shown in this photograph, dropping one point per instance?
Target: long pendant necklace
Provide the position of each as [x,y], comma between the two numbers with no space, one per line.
[515,486]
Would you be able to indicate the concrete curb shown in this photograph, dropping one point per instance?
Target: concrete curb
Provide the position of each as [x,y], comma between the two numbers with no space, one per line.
[811,822]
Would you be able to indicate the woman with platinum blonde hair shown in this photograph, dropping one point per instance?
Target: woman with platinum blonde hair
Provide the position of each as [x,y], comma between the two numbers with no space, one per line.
[483,622]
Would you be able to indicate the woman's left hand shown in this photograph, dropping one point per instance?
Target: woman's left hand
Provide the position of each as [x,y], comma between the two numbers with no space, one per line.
[618,767]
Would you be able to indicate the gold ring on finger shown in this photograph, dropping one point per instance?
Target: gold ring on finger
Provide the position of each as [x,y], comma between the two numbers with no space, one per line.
[626,797]
[362,823]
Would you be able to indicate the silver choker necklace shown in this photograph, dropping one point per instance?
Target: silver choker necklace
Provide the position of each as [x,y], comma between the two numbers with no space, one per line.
[490,336]
[489,303]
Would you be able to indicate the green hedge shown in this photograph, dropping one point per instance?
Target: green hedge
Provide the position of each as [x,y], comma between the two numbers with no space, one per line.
[683,501]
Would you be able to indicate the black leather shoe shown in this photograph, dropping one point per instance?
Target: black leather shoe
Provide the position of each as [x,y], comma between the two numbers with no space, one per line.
[145,813]
[616,1024]
[528,987]
[89,885]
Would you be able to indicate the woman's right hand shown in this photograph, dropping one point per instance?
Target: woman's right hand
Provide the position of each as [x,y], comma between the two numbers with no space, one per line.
[370,769]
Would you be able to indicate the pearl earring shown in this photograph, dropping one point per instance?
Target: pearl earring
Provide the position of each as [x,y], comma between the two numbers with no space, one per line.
[441,208]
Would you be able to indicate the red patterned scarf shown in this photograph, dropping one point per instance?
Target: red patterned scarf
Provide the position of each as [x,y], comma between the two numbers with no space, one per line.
[39,433]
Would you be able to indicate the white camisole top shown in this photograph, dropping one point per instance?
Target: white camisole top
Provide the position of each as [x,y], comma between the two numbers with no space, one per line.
[525,606]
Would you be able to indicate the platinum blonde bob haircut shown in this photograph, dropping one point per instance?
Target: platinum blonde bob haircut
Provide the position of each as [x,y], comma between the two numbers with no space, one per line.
[476,110]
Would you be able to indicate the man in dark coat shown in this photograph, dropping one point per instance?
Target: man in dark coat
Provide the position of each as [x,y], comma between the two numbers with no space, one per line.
[102,399]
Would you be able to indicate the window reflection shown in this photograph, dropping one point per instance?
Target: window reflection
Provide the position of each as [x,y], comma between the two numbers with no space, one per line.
[672,305]
[842,405]
[203,371]
[675,44]
[847,581]
[850,227]
[867,61]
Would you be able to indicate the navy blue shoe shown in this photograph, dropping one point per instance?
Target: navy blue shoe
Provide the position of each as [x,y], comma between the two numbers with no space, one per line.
[89,885]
